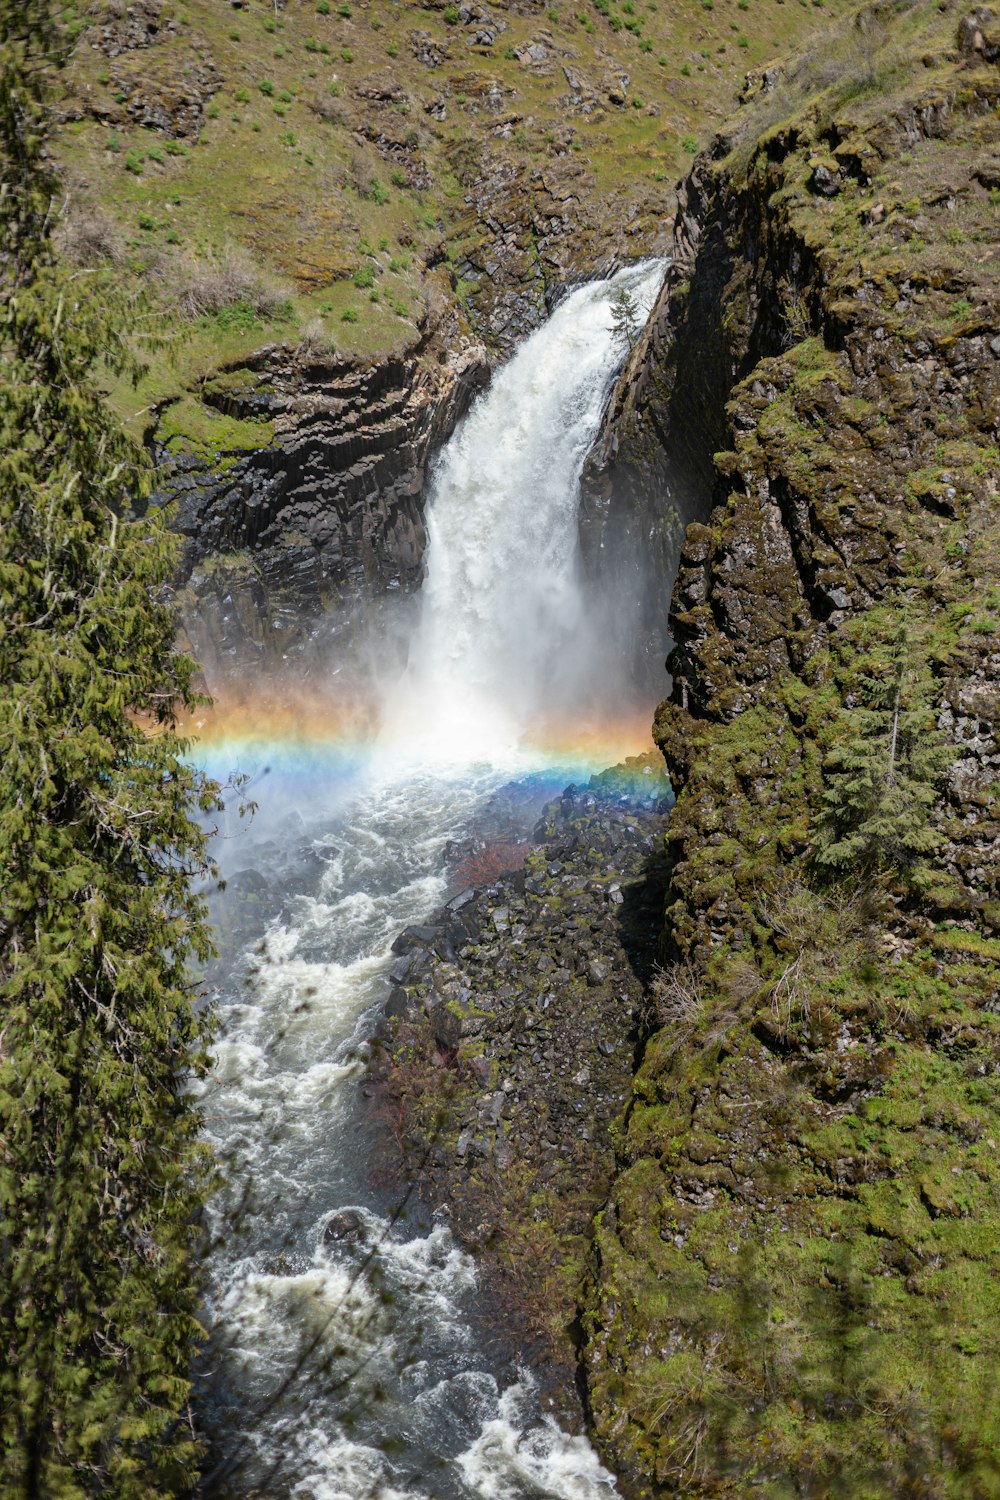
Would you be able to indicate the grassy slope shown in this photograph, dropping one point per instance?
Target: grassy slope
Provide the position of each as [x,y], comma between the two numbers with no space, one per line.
[313,202]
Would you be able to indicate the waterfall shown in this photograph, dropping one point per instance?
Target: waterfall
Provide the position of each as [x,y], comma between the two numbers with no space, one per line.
[505,634]
[392,1394]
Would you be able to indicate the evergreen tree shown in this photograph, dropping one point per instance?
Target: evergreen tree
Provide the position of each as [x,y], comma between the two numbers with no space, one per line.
[101,1173]
[884,773]
[625,321]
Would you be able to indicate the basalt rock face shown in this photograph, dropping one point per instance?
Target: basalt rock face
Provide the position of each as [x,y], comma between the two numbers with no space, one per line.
[530,235]
[508,1048]
[302,512]
[794,1288]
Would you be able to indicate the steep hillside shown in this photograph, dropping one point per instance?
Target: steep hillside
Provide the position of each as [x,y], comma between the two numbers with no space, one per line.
[330,171]
[795,1289]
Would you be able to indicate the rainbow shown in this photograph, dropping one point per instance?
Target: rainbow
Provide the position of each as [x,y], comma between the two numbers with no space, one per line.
[307,734]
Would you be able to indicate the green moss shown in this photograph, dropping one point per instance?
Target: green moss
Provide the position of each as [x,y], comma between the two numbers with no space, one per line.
[187,425]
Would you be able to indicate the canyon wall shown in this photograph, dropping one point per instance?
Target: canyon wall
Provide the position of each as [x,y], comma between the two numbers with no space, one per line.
[302,507]
[794,1280]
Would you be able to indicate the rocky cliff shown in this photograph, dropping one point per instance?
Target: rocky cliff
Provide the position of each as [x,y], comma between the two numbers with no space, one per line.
[794,1288]
[301,496]
[508,1047]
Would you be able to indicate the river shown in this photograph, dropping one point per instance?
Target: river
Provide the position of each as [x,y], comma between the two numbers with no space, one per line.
[351,1354]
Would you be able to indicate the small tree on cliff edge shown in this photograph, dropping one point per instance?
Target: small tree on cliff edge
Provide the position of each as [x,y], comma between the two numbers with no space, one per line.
[625,317]
[884,773]
[101,1174]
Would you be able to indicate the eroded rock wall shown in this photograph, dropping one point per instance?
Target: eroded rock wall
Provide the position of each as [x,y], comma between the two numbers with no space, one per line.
[794,1286]
[302,511]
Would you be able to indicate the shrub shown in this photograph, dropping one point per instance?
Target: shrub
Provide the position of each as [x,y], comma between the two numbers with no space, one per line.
[398,178]
[200,287]
[346,55]
[327,110]
[240,317]
[133,162]
[378,192]
[349,315]
[146,221]
[315,342]
[364,277]
[690,144]
[285,96]
[86,235]
[450,15]
[323,7]
[686,70]
[345,11]
[266,87]
[487,860]
[242,96]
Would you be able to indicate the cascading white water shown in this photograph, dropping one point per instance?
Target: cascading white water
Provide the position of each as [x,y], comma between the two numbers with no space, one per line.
[395,1400]
[504,628]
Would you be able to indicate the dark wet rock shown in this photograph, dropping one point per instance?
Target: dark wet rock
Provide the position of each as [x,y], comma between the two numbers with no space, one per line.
[528,1026]
[346,1224]
[247,882]
[303,519]
[415,937]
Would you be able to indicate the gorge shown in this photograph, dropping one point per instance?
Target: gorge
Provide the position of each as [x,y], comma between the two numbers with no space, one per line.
[595,1115]
[326,1287]
[792,1208]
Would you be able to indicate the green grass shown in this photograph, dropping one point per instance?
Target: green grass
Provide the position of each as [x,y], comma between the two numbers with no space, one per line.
[270,172]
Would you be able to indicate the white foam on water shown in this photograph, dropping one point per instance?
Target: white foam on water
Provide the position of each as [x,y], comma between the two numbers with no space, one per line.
[504,629]
[513,1458]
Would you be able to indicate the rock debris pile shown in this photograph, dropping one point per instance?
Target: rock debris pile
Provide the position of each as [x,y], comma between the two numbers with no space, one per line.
[515,1013]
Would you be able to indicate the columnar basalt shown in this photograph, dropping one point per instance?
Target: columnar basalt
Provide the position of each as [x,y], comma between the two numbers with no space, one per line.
[302,504]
